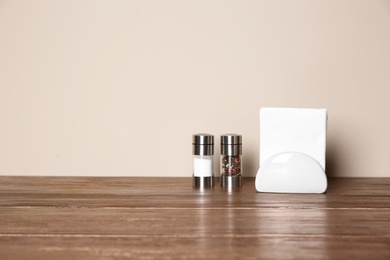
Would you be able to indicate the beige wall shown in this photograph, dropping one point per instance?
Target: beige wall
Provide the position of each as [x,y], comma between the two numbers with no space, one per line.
[118,87]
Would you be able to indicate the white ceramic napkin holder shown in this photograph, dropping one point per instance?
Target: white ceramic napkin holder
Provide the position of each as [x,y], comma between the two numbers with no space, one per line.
[292,150]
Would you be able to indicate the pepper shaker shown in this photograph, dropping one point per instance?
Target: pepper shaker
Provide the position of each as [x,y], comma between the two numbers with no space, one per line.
[203,151]
[231,160]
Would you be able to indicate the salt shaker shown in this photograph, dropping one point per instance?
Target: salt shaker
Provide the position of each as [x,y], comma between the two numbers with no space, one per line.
[231,160]
[203,151]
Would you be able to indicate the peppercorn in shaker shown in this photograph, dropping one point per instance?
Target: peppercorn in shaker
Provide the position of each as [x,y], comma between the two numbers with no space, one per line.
[203,150]
[231,161]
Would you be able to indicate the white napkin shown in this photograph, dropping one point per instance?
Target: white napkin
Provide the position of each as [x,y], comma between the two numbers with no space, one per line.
[293,130]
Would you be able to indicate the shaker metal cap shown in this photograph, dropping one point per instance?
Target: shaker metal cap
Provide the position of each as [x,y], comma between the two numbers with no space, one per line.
[202,144]
[203,139]
[231,139]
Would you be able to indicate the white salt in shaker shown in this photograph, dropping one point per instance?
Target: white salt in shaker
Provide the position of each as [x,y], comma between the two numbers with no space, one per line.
[203,150]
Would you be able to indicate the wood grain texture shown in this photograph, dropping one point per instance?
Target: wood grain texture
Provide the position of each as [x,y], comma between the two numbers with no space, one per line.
[165,218]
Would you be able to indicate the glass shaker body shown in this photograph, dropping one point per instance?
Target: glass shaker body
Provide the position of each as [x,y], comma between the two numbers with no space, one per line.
[203,150]
[231,160]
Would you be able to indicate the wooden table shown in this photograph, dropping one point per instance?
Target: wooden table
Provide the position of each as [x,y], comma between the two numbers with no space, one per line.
[165,218]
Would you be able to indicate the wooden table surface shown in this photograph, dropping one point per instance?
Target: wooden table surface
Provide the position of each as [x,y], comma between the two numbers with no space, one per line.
[165,218]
